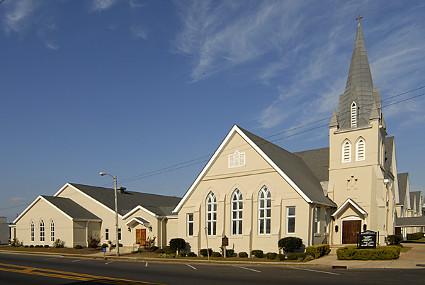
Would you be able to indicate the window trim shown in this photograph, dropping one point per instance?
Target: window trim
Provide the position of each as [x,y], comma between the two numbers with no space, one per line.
[239,213]
[353,115]
[358,158]
[42,231]
[189,223]
[212,222]
[52,230]
[346,148]
[32,231]
[267,196]
[294,216]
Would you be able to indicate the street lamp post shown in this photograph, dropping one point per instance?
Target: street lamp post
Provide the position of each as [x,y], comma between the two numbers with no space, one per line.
[114,178]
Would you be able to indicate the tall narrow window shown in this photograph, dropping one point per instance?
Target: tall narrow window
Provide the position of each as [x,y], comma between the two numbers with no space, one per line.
[211,214]
[52,231]
[32,231]
[316,224]
[346,151]
[119,233]
[290,220]
[354,115]
[264,211]
[190,224]
[237,207]
[107,234]
[360,150]
[42,233]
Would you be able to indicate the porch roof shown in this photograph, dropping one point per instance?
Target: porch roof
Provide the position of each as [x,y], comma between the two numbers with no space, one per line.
[138,221]
[410,221]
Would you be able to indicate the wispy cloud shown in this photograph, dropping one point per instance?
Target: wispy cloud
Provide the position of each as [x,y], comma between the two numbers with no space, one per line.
[138,32]
[136,3]
[51,45]
[101,5]
[17,15]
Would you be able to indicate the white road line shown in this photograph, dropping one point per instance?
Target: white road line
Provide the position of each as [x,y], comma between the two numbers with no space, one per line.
[146,264]
[313,270]
[77,260]
[108,262]
[250,269]
[193,267]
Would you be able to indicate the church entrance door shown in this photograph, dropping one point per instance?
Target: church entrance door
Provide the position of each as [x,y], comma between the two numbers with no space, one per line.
[350,229]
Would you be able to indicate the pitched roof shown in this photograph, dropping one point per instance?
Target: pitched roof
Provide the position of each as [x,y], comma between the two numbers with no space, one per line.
[402,186]
[359,88]
[294,167]
[318,162]
[71,208]
[410,221]
[158,204]
[415,198]
[389,146]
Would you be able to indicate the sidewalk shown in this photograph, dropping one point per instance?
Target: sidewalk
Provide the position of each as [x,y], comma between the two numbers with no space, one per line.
[407,260]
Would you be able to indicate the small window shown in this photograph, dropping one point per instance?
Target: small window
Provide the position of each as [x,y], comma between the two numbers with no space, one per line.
[346,151]
[32,231]
[264,211]
[316,225]
[360,150]
[52,231]
[290,220]
[354,115]
[107,234]
[190,224]
[236,159]
[211,214]
[237,207]
[119,234]
[42,233]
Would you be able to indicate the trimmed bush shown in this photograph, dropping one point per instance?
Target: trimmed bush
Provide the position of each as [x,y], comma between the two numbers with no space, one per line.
[230,253]
[182,254]
[290,244]
[296,256]
[317,251]
[243,254]
[271,255]
[258,253]
[58,243]
[31,246]
[46,246]
[216,254]
[205,253]
[177,244]
[78,246]
[281,257]
[169,250]
[394,239]
[415,236]
[104,245]
[191,254]
[379,253]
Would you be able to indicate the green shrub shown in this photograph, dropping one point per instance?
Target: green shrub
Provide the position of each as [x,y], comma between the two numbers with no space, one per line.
[205,253]
[94,242]
[243,254]
[290,244]
[169,250]
[296,256]
[415,236]
[104,245]
[271,255]
[160,250]
[257,253]
[317,251]
[46,246]
[177,244]
[281,257]
[153,248]
[230,253]
[379,253]
[216,254]
[31,246]
[15,243]
[191,254]
[394,239]
[58,243]
[78,246]
[26,246]
[182,254]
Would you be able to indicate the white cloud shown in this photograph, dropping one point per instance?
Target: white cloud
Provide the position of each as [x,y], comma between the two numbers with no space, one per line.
[136,3]
[101,5]
[51,45]
[138,32]
[17,14]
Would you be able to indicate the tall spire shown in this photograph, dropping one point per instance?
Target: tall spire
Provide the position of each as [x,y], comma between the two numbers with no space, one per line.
[359,74]
[359,91]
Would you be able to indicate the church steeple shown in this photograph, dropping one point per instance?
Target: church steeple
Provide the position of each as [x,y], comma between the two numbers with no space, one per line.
[360,100]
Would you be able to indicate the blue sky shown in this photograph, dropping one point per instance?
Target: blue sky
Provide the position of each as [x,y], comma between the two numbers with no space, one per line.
[136,86]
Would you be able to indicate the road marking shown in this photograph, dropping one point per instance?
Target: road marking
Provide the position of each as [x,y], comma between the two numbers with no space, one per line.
[52,273]
[108,262]
[193,267]
[317,271]
[250,269]
[77,260]
[146,264]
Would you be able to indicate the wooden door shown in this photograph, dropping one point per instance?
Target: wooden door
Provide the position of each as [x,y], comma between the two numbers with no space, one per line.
[141,236]
[398,231]
[350,229]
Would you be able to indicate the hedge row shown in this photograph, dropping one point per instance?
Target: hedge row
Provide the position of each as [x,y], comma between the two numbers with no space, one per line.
[379,253]
[415,236]
[317,251]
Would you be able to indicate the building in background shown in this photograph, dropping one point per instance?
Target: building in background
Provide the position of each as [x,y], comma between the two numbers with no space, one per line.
[4,231]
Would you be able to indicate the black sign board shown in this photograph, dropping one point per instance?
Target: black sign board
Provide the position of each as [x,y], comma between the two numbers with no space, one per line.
[225,241]
[367,239]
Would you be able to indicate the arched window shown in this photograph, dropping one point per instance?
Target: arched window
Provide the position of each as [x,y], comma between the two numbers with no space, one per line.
[52,231]
[354,115]
[346,151]
[42,233]
[32,231]
[211,214]
[237,206]
[360,149]
[264,211]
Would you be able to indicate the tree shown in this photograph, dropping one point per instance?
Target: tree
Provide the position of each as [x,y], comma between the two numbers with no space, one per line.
[177,244]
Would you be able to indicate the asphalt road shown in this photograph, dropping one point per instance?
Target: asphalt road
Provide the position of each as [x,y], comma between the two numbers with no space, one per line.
[30,269]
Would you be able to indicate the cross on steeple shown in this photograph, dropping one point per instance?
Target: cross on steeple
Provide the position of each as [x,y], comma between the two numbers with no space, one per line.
[359,19]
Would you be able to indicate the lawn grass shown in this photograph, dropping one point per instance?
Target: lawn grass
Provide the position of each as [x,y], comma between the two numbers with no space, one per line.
[51,250]
[422,240]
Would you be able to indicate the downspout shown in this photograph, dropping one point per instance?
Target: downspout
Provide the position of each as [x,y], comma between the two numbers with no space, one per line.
[310,228]
[87,233]
[252,225]
[160,231]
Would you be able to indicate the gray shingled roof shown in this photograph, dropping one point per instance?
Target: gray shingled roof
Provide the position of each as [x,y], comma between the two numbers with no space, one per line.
[417,195]
[159,204]
[359,88]
[71,208]
[410,221]
[402,186]
[389,145]
[318,161]
[293,166]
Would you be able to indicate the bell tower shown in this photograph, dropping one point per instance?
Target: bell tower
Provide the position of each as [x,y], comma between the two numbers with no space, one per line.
[357,134]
